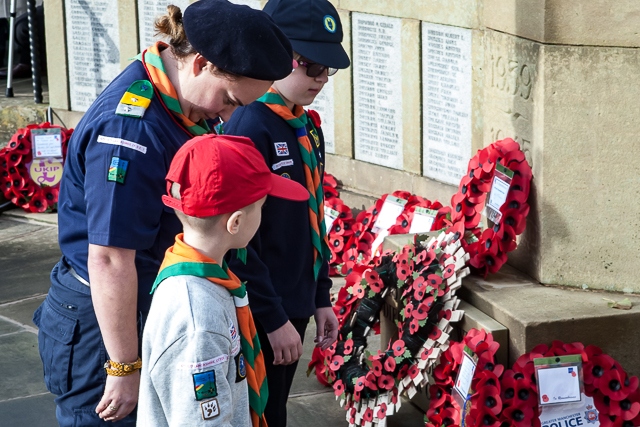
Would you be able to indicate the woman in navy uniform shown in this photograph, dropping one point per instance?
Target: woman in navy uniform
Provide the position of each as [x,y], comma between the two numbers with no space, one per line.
[113,227]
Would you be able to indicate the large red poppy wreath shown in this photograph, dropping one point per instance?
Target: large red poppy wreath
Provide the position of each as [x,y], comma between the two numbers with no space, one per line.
[31,184]
[510,398]
[424,278]
[488,248]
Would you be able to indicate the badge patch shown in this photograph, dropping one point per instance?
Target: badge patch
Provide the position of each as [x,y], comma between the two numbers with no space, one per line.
[117,170]
[210,409]
[241,367]
[122,142]
[286,175]
[282,164]
[282,149]
[330,23]
[204,385]
[235,339]
[199,366]
[316,138]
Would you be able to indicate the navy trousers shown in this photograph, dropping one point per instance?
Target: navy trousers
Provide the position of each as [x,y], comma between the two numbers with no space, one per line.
[72,351]
[279,377]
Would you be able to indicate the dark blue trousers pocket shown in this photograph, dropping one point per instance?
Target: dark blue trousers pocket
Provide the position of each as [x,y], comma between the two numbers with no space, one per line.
[55,337]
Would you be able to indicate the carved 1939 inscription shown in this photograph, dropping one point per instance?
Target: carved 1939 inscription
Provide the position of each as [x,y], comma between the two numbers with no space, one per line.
[509,81]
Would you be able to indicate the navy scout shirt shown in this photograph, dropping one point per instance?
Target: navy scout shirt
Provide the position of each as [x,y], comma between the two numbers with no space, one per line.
[279,268]
[126,212]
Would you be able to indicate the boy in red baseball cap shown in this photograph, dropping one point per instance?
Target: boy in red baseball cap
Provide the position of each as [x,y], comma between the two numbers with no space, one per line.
[200,351]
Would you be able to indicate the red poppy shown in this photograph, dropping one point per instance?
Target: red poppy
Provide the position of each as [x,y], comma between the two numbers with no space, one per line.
[370,380]
[627,409]
[519,415]
[368,415]
[421,312]
[398,348]
[38,203]
[390,364]
[414,325]
[356,396]
[376,367]
[596,367]
[329,192]
[374,281]
[358,291]
[329,179]
[336,362]
[408,311]
[348,346]
[338,387]
[515,218]
[419,289]
[435,333]
[616,384]
[386,381]
[382,411]
[359,385]
[434,280]
[413,371]
[402,225]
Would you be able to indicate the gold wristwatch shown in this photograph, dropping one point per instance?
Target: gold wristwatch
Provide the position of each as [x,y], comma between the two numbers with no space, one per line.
[118,369]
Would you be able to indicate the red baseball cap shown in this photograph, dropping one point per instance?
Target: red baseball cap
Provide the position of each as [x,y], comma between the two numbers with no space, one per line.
[220,174]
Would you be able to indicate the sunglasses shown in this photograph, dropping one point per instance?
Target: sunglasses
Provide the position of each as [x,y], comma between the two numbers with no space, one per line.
[314,69]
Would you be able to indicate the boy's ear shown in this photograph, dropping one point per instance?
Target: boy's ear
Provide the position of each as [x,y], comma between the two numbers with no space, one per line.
[234,222]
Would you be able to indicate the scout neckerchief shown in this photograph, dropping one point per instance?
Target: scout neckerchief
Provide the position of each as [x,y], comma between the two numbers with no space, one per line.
[152,61]
[298,121]
[181,259]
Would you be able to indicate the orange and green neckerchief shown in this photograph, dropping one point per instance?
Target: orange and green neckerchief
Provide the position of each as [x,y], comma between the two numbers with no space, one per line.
[298,120]
[183,260]
[152,62]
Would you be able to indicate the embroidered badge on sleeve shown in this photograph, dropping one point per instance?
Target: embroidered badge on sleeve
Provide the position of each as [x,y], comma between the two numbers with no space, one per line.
[204,384]
[241,367]
[282,149]
[117,170]
[210,409]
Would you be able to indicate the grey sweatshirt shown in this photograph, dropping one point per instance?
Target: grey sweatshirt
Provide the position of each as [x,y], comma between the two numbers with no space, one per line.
[192,367]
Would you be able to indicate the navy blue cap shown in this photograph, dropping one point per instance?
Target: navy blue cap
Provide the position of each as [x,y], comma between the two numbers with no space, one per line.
[314,29]
[238,39]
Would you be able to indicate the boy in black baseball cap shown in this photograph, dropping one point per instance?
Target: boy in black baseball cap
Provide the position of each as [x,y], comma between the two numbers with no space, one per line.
[287,270]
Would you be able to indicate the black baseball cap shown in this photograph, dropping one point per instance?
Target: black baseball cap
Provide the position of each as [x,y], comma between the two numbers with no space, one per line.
[314,29]
[238,39]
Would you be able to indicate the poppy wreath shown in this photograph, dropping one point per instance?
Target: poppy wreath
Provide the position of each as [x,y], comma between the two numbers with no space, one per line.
[15,179]
[615,393]
[423,279]
[510,398]
[357,248]
[484,405]
[488,248]
[341,230]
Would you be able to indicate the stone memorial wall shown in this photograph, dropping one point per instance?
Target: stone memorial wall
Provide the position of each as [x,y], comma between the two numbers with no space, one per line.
[148,11]
[93,49]
[377,89]
[446,101]
[323,104]
[431,83]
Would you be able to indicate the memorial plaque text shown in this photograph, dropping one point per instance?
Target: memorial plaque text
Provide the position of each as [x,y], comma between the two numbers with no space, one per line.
[446,93]
[377,81]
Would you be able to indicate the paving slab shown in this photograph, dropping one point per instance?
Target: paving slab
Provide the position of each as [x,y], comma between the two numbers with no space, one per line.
[33,411]
[29,251]
[8,327]
[20,366]
[22,311]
